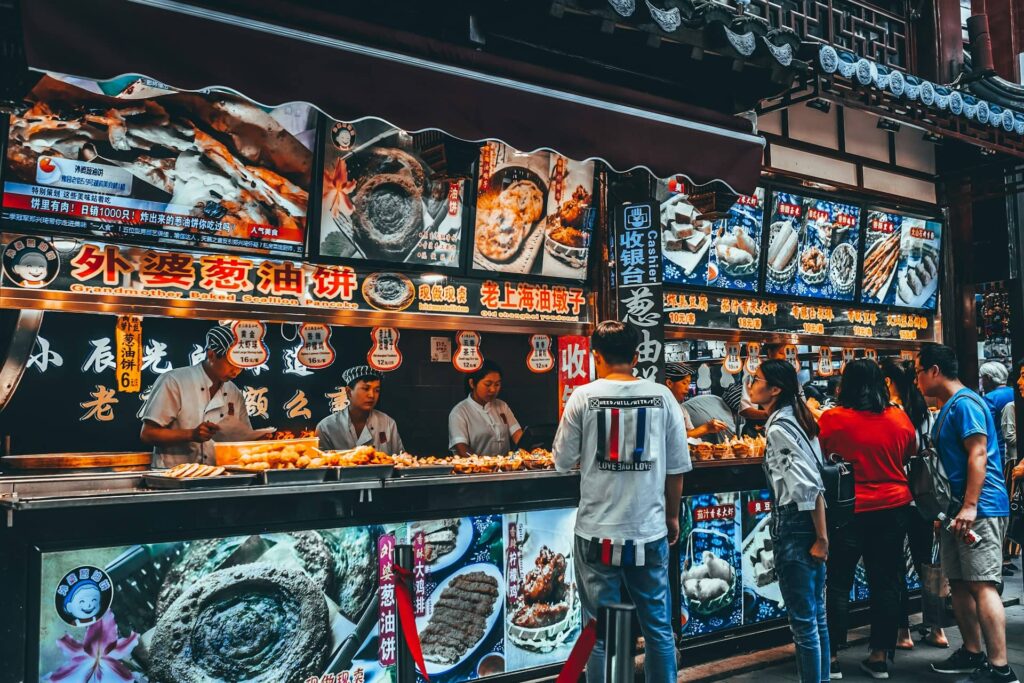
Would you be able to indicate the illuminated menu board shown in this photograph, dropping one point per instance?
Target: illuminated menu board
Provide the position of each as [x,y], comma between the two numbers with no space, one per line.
[811,248]
[724,253]
[902,260]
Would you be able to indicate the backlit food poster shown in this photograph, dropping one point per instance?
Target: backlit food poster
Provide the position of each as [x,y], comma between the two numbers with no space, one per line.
[812,248]
[534,213]
[762,599]
[712,587]
[138,605]
[383,201]
[902,257]
[723,253]
[542,604]
[131,158]
[462,631]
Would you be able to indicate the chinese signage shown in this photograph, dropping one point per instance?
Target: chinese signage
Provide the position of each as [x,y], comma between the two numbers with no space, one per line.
[387,620]
[384,354]
[727,312]
[467,353]
[248,349]
[129,354]
[637,268]
[540,359]
[316,351]
[209,169]
[573,366]
[228,279]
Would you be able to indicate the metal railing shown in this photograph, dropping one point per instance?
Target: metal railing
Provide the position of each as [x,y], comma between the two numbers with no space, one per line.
[880,31]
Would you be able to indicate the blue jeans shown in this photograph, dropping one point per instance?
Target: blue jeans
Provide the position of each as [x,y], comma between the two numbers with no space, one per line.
[647,588]
[802,582]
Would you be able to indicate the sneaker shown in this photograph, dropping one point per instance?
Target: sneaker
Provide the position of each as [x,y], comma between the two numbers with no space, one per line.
[986,674]
[960,662]
[875,669]
[834,672]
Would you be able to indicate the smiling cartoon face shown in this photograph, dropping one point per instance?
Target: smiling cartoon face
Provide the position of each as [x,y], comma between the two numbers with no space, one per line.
[31,267]
[85,603]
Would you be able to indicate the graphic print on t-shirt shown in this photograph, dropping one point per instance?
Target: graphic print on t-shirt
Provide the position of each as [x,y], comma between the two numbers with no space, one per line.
[623,428]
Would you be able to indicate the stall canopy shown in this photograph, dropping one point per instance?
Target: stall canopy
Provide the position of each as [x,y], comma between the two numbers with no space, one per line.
[462,92]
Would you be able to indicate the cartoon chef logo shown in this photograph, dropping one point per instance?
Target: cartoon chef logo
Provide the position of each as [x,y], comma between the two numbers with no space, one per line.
[30,262]
[343,135]
[83,596]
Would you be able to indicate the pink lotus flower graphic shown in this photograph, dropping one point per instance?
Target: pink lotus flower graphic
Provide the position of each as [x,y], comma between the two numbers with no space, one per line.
[98,657]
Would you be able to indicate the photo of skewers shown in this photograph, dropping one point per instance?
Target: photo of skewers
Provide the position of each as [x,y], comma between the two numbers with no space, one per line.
[901,263]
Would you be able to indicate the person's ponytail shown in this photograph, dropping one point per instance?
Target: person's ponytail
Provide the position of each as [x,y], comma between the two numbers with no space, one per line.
[782,375]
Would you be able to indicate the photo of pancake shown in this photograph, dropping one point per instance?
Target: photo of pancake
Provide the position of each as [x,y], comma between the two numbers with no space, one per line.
[388,291]
[383,200]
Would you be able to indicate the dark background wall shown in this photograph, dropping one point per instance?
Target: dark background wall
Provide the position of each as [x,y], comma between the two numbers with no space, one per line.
[46,415]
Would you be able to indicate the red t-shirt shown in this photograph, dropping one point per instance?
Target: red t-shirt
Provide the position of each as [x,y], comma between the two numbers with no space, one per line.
[878,445]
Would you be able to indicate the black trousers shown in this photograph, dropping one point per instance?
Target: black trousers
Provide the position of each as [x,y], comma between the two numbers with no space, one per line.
[920,538]
[878,538]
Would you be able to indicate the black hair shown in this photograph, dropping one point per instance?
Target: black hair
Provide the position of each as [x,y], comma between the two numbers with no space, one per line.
[768,350]
[863,387]
[903,377]
[486,368]
[811,391]
[940,356]
[615,341]
[782,375]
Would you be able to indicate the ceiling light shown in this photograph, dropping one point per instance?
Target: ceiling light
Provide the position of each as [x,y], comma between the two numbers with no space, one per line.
[889,125]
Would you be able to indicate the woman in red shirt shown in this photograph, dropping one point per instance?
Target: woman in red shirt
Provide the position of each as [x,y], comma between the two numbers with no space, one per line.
[877,438]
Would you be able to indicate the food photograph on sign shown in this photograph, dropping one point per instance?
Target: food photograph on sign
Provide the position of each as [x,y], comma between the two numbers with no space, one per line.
[139,604]
[762,597]
[132,158]
[812,248]
[542,610]
[389,196]
[902,255]
[712,588]
[535,213]
[722,253]
[461,631]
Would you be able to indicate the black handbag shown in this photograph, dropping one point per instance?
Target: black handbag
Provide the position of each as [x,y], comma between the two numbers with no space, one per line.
[838,480]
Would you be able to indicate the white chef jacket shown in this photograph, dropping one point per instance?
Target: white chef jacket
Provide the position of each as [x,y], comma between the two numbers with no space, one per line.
[380,431]
[486,430]
[181,400]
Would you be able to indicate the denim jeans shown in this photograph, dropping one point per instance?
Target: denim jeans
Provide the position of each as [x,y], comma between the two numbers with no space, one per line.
[802,582]
[647,588]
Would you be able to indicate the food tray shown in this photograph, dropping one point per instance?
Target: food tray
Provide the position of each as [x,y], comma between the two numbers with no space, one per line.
[230,452]
[363,472]
[310,475]
[163,482]
[423,471]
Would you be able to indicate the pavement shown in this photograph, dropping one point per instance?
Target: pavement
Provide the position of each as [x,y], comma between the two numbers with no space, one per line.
[775,666]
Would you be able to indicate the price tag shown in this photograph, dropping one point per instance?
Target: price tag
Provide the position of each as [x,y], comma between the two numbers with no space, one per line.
[907,355]
[248,349]
[540,359]
[316,351]
[440,350]
[848,355]
[871,354]
[467,353]
[732,363]
[384,354]
[792,356]
[753,357]
[129,354]
[825,361]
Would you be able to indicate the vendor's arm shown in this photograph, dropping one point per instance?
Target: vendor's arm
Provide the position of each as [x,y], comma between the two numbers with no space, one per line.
[515,431]
[161,410]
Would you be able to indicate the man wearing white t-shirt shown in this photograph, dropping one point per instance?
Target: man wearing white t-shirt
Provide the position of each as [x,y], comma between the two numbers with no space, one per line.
[628,439]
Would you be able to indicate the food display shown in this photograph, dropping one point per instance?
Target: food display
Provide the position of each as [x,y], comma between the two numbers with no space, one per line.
[280,455]
[711,562]
[359,456]
[210,169]
[545,592]
[382,201]
[901,261]
[533,213]
[515,461]
[738,447]
[460,617]
[192,470]
[812,248]
[723,253]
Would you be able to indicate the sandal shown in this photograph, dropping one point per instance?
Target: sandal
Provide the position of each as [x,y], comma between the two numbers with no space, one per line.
[930,641]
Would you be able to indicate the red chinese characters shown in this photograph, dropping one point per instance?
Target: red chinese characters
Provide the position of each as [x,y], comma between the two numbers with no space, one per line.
[278,279]
[225,273]
[334,282]
[160,269]
[92,261]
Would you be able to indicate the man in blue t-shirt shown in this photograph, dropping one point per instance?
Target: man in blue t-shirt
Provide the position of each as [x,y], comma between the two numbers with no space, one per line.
[993,381]
[968,445]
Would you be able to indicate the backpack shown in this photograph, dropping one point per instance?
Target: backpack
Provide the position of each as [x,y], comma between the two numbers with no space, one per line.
[929,483]
[837,477]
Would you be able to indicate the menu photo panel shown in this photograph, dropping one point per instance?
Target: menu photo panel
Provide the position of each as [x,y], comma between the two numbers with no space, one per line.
[133,159]
[812,248]
[902,257]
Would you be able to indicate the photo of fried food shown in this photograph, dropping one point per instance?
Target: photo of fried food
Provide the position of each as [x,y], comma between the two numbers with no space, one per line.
[545,592]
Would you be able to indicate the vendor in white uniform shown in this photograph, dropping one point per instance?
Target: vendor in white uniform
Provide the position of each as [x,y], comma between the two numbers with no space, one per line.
[678,377]
[190,406]
[360,423]
[483,424]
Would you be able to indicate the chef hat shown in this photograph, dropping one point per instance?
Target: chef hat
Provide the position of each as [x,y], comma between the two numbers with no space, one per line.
[995,371]
[354,374]
[678,371]
[219,339]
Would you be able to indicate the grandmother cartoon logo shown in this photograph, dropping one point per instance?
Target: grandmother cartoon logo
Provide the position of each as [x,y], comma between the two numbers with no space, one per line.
[83,596]
[30,262]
